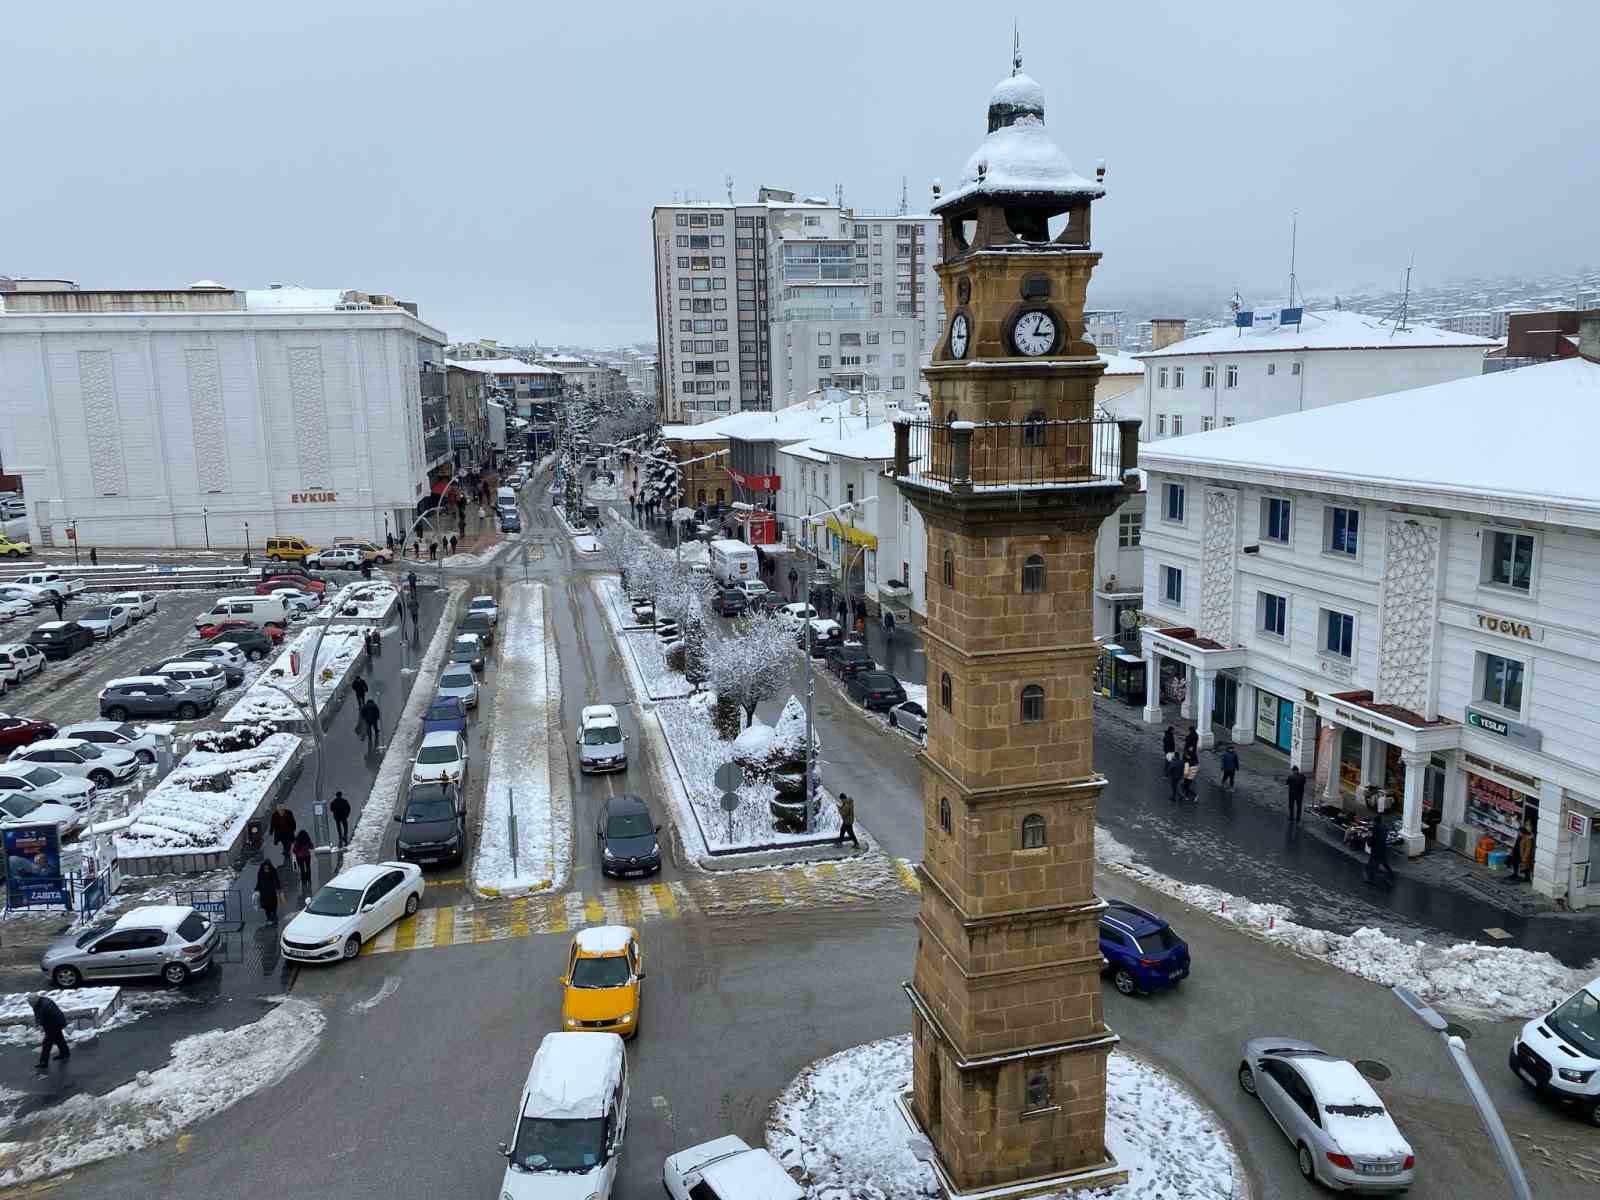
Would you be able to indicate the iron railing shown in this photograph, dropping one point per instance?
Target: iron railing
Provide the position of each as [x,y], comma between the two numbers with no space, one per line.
[1012,455]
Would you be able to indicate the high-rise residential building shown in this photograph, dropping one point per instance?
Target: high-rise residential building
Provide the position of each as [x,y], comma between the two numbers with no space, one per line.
[1103,327]
[752,300]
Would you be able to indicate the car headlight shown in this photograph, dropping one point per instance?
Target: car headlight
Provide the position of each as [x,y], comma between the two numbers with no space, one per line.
[572,1022]
[1572,1076]
[606,852]
[453,839]
[329,941]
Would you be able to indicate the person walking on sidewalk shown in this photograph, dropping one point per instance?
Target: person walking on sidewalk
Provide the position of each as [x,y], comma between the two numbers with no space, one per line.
[374,720]
[94,557]
[1230,765]
[269,890]
[1174,773]
[847,820]
[302,856]
[794,580]
[1169,743]
[359,687]
[47,1013]
[1522,853]
[340,808]
[1191,774]
[888,628]
[1297,792]
[1191,741]
[1378,851]
[58,604]
[282,826]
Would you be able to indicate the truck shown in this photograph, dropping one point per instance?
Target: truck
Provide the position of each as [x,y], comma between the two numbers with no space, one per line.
[51,581]
[731,562]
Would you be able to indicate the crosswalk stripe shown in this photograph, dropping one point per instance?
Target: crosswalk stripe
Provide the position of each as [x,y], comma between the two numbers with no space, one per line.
[414,931]
[444,926]
[381,944]
[666,902]
[775,888]
[682,899]
[828,870]
[632,909]
[556,915]
[519,918]
[594,912]
[577,910]
[908,875]
[611,902]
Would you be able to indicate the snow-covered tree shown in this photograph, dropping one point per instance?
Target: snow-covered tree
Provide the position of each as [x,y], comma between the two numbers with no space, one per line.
[755,660]
[624,547]
[659,476]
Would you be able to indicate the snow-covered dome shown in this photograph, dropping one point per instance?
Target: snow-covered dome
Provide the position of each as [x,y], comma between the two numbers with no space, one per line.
[1014,96]
[1021,157]
[207,285]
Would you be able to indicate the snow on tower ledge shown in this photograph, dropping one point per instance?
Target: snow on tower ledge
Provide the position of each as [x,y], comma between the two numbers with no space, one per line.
[1018,157]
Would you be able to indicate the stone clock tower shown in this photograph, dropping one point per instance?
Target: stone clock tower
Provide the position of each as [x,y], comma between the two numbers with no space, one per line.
[1013,476]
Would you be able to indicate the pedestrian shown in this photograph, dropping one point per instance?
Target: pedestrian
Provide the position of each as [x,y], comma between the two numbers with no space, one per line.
[366,570]
[1297,792]
[416,547]
[1522,853]
[302,856]
[1191,773]
[411,578]
[94,557]
[794,580]
[843,611]
[1378,851]
[453,543]
[359,687]
[1230,765]
[1191,740]
[58,604]
[388,541]
[374,720]
[268,890]
[340,808]
[245,559]
[847,820]
[1169,743]
[282,826]
[51,1020]
[433,550]
[1173,769]
[888,628]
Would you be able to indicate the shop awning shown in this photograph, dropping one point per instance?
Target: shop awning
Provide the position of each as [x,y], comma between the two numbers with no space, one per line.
[857,537]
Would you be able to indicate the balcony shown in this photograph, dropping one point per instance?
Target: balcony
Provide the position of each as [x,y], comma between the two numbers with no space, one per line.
[999,456]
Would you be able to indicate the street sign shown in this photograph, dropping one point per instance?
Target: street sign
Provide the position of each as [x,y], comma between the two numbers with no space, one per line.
[730,801]
[729,777]
[72,534]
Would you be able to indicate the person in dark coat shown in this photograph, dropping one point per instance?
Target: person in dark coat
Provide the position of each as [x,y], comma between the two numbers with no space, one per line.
[794,578]
[94,557]
[359,687]
[340,808]
[1297,792]
[58,604]
[1169,742]
[1191,773]
[302,856]
[1191,740]
[282,826]
[374,722]
[844,614]
[1230,766]
[1378,851]
[50,1018]
[1522,853]
[1174,773]
[269,890]
[847,820]
[245,559]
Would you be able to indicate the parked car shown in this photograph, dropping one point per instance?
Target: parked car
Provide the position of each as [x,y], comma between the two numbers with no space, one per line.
[911,717]
[487,606]
[510,520]
[459,682]
[336,558]
[479,624]
[602,746]
[160,941]
[772,602]
[1142,952]
[11,549]
[798,612]
[467,648]
[668,631]
[224,654]
[433,825]
[297,603]
[18,660]
[442,758]
[253,643]
[141,743]
[875,690]
[643,610]
[727,1169]
[21,591]
[101,766]
[103,620]
[288,548]
[21,731]
[602,985]
[627,834]
[43,783]
[60,639]
[202,676]
[19,808]
[824,634]
[1558,1054]
[571,1117]
[287,579]
[1343,1136]
[139,604]
[369,551]
[10,610]
[730,602]
[753,589]
[51,581]
[445,714]
[848,658]
[353,907]
[153,696]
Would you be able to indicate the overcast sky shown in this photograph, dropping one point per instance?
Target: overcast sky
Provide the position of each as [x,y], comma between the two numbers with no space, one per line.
[496,162]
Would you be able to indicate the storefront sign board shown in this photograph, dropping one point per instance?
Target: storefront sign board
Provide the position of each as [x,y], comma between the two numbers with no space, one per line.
[1266,716]
[1523,735]
[1508,626]
[1577,824]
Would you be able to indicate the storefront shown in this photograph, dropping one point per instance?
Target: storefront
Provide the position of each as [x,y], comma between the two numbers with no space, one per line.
[1119,675]
[1274,720]
[1225,700]
[1498,802]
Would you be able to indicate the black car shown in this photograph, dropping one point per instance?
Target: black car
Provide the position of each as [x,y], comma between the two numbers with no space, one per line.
[825,635]
[510,522]
[252,643]
[60,639]
[627,833]
[480,624]
[433,825]
[730,602]
[770,602]
[845,661]
[875,689]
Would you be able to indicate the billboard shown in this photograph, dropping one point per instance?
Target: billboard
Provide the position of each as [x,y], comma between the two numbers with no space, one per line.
[33,866]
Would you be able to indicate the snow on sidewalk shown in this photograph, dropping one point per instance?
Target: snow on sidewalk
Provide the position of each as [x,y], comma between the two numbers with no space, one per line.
[1499,982]
[527,695]
[207,1074]
[837,1122]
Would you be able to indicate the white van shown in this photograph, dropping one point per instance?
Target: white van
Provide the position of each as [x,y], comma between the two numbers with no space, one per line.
[505,498]
[258,610]
[1558,1054]
[570,1120]
[732,561]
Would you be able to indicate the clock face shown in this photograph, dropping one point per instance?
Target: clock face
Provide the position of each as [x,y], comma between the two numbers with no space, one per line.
[1034,333]
[958,336]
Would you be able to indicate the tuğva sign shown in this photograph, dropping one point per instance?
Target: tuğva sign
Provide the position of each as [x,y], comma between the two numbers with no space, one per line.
[1506,627]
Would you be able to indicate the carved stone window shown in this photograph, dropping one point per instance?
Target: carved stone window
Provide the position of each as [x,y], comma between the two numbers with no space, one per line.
[1032,831]
[1032,703]
[944,813]
[1033,573]
[1038,1092]
[944,691]
[949,568]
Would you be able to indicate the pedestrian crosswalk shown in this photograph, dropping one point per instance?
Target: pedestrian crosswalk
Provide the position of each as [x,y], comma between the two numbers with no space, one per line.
[710,894]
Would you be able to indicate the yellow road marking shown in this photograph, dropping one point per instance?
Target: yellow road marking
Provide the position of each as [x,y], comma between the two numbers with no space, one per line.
[632,911]
[775,891]
[519,919]
[594,912]
[444,926]
[556,921]
[665,901]
[908,875]
[184,1140]
[828,870]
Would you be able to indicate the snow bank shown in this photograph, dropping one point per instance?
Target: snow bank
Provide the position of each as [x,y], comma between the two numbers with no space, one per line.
[182,816]
[208,1074]
[342,648]
[363,601]
[527,695]
[481,559]
[1498,982]
[838,1124]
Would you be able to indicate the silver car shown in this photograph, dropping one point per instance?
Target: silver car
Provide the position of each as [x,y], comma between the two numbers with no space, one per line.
[459,681]
[162,941]
[1342,1134]
[911,717]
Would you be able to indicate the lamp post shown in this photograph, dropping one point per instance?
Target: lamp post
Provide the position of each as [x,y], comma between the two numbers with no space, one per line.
[1487,1112]
[74,541]
[247,540]
[308,709]
[205,521]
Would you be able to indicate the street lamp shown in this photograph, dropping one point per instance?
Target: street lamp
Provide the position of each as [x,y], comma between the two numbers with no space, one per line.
[1480,1097]
[205,520]
[74,541]
[247,543]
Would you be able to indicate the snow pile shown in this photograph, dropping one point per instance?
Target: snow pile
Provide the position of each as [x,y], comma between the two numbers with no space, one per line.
[649,659]
[342,648]
[584,544]
[203,804]
[364,601]
[838,1124]
[754,741]
[1499,982]
[1021,157]
[527,694]
[1019,91]
[208,1074]
[481,559]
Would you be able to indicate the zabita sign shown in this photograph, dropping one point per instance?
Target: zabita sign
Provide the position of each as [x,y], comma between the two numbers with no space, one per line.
[313,497]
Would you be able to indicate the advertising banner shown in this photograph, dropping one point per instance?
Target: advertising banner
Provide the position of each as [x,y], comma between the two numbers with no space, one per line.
[33,866]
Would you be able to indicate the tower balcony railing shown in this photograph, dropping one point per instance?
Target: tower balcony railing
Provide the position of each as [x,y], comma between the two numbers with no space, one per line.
[998,456]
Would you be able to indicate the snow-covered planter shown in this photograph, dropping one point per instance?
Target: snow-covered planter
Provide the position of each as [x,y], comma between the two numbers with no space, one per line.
[186,824]
[234,737]
[369,603]
[343,649]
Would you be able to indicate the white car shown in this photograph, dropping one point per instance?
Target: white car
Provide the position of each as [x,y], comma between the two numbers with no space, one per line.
[19,808]
[339,558]
[352,908]
[42,783]
[22,591]
[142,743]
[753,589]
[798,612]
[18,660]
[10,610]
[197,673]
[486,606]
[442,758]
[601,742]
[103,620]
[727,1169]
[1558,1054]
[296,602]
[459,681]
[1343,1136]
[103,768]
[139,604]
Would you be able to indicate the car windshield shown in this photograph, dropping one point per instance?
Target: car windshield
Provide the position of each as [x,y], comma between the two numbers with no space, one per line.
[444,711]
[335,902]
[96,614]
[438,809]
[1578,1020]
[629,825]
[456,679]
[1158,941]
[546,1145]
[608,972]
[93,932]
[602,735]
[437,754]
[87,749]
[18,806]
[467,648]
[40,776]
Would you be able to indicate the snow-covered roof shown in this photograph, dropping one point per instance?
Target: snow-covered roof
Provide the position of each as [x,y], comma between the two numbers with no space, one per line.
[572,1075]
[1485,441]
[158,916]
[604,939]
[501,366]
[569,360]
[1018,90]
[136,680]
[753,1175]
[1324,329]
[1121,364]
[1016,159]
[295,297]
[692,433]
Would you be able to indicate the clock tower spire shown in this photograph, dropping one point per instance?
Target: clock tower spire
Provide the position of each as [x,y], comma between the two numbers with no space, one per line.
[1013,476]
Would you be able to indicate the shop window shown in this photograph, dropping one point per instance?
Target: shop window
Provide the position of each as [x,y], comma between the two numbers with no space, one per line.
[949,568]
[944,691]
[1500,682]
[1033,574]
[1032,832]
[1508,559]
[944,813]
[1032,703]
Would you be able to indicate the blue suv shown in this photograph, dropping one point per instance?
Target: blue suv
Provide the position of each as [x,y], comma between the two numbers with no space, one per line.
[1142,952]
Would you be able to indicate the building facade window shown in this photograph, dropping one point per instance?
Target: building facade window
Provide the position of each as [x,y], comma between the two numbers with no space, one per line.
[1177,377]
[1177,424]
[1294,368]
[1032,704]
[949,568]
[1207,424]
[1161,424]
[1227,422]
[1172,500]
[944,813]
[1033,837]
[1272,368]
[1508,559]
[1033,574]
[1274,614]
[1500,682]
[1033,429]
[1276,519]
[1130,527]
[1036,1093]
[1172,586]
[1161,374]
[1208,376]
[1231,376]
[1338,633]
[944,691]
[1342,530]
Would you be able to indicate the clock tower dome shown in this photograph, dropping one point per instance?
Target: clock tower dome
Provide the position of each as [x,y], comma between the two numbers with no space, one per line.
[1013,475]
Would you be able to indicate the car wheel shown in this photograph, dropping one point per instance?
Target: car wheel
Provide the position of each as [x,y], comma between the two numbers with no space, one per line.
[255,655]
[1593,1112]
[1307,1164]
[101,779]
[116,713]
[145,757]
[175,973]
[413,902]
[187,712]
[274,558]
[1124,982]
[352,945]
[1247,1079]
[66,977]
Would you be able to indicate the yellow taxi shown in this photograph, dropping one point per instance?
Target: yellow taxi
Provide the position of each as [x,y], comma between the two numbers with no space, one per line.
[14,549]
[601,986]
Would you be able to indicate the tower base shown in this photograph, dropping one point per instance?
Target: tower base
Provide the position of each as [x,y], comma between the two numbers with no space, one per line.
[1105,1175]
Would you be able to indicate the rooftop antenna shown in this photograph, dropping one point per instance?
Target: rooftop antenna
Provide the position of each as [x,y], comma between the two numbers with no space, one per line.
[1405,298]
[1016,47]
[727,182]
[1294,238]
[905,201]
[838,195]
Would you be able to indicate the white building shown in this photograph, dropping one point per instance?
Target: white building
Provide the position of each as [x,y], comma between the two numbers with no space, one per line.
[185,417]
[1400,592]
[520,385]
